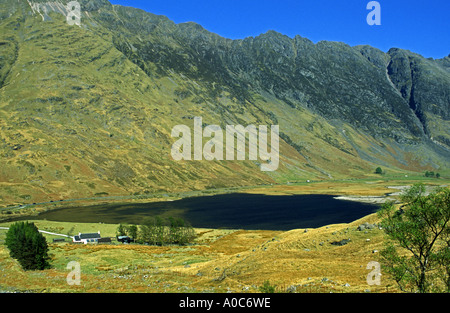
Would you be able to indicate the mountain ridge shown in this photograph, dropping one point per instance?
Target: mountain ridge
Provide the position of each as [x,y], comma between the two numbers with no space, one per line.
[88,110]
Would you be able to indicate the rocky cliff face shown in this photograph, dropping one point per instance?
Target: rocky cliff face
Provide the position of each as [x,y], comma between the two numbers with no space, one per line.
[425,85]
[89,109]
[382,93]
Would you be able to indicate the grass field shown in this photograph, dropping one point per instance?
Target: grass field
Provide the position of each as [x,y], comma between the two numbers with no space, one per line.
[220,260]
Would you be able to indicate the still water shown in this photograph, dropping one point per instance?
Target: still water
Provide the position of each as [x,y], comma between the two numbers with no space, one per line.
[234,211]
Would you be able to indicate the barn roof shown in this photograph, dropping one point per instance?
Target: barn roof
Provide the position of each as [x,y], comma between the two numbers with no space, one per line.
[89,236]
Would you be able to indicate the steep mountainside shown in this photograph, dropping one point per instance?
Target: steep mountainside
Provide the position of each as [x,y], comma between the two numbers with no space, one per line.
[88,110]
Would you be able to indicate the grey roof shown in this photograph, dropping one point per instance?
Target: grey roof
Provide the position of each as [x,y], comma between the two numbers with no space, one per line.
[89,236]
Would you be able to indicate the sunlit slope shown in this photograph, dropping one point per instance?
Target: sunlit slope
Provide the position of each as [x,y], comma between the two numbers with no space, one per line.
[88,110]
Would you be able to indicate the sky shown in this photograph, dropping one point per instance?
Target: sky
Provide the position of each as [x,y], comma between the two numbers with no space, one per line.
[417,25]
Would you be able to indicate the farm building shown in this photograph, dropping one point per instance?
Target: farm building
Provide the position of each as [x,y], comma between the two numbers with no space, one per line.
[87,237]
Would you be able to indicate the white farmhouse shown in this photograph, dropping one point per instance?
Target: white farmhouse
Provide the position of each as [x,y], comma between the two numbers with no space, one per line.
[87,237]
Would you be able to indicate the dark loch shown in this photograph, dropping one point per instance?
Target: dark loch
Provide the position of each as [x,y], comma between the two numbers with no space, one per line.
[233,211]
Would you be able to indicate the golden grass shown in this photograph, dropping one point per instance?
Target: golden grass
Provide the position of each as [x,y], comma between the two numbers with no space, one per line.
[355,188]
[221,260]
[303,259]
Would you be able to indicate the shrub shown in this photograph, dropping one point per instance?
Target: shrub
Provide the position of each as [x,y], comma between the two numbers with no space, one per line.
[267,287]
[28,246]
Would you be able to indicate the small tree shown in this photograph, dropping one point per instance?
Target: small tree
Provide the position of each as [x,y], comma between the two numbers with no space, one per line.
[28,246]
[153,231]
[417,255]
[160,231]
[378,170]
[121,230]
[130,231]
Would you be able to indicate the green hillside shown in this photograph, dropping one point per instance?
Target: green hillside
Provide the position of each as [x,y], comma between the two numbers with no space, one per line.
[88,110]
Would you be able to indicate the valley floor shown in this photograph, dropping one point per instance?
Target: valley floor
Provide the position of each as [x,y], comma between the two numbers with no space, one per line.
[220,260]
[302,260]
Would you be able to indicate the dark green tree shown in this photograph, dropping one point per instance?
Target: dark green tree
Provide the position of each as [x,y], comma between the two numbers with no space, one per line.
[180,232]
[121,230]
[28,246]
[378,170]
[132,231]
[429,174]
[417,254]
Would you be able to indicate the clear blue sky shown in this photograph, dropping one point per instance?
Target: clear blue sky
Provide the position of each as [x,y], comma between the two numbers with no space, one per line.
[417,25]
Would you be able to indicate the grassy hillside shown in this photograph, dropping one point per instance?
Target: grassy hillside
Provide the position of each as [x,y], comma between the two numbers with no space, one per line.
[219,261]
[88,111]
